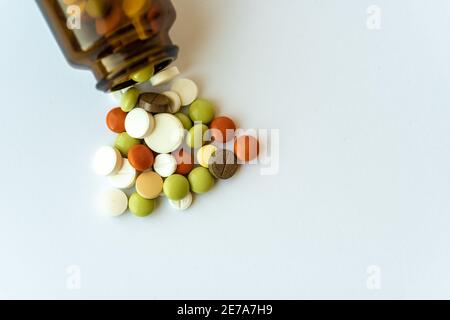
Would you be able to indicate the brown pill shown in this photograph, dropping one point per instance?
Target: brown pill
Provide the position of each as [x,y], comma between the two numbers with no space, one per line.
[223,164]
[185,162]
[246,148]
[222,129]
[149,185]
[115,120]
[154,102]
[141,157]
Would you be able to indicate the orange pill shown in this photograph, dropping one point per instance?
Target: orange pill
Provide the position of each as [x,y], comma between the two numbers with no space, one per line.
[115,120]
[185,162]
[141,157]
[246,148]
[222,129]
[110,22]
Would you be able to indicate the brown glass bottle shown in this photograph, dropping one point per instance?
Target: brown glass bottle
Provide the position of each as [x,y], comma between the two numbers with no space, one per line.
[113,38]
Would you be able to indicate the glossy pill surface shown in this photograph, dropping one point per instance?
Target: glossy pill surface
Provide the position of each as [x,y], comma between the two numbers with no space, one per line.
[246,148]
[202,111]
[222,129]
[143,75]
[124,143]
[140,206]
[185,120]
[196,137]
[176,187]
[129,99]
[115,120]
[201,180]
[204,155]
[141,157]
[149,185]
[185,162]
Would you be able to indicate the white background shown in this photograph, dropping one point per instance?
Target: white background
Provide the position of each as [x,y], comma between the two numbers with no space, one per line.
[364,173]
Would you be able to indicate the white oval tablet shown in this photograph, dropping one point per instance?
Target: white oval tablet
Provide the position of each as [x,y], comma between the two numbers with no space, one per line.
[139,123]
[125,178]
[182,204]
[187,90]
[165,165]
[165,76]
[113,202]
[107,160]
[168,134]
[175,106]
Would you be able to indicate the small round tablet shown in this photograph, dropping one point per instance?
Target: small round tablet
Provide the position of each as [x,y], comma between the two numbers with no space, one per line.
[176,187]
[204,154]
[125,178]
[246,148]
[107,160]
[149,185]
[182,204]
[113,202]
[165,76]
[187,90]
[141,157]
[140,206]
[201,180]
[165,165]
[168,134]
[115,120]
[139,123]
[175,105]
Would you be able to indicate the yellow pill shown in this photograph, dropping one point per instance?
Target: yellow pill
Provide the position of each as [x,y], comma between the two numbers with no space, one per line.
[133,8]
[204,154]
[97,8]
[143,75]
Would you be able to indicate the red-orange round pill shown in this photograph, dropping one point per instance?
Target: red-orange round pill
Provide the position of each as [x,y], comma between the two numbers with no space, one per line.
[185,162]
[222,129]
[246,148]
[115,120]
[141,157]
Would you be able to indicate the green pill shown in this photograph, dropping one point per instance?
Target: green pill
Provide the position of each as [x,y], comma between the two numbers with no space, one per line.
[187,123]
[139,206]
[124,143]
[201,111]
[196,136]
[143,75]
[176,187]
[130,99]
[201,180]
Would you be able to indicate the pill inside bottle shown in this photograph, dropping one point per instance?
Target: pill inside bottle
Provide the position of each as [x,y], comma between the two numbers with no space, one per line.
[115,39]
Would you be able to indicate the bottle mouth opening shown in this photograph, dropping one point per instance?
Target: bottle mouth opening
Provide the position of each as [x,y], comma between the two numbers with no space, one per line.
[120,79]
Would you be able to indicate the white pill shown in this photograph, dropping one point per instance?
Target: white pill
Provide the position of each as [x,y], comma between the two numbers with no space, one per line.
[107,160]
[113,202]
[187,90]
[165,165]
[139,123]
[175,106]
[182,204]
[165,76]
[125,178]
[168,134]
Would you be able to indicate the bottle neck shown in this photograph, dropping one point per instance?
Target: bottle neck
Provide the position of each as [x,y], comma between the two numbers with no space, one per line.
[113,70]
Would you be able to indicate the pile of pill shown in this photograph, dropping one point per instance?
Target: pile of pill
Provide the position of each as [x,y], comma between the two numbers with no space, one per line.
[169,144]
